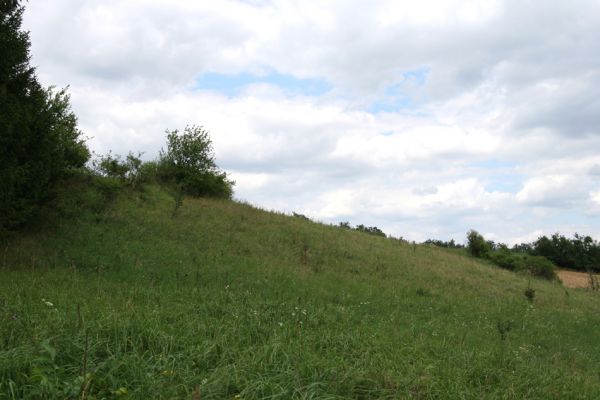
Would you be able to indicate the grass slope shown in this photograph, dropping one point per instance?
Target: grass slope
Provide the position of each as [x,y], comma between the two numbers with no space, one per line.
[224,301]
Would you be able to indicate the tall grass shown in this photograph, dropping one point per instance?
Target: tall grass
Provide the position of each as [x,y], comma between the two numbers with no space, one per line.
[221,300]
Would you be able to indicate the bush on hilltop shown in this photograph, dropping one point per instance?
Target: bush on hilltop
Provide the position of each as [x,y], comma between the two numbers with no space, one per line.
[189,165]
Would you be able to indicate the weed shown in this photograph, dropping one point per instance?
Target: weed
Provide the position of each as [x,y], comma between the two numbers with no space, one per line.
[504,327]
[593,280]
[529,292]
[178,197]
[304,254]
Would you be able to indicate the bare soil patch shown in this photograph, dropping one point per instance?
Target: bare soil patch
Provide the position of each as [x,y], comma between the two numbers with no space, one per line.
[574,279]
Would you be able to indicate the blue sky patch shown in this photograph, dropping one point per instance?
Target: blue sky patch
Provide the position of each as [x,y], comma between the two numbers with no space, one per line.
[403,95]
[233,84]
[504,183]
[500,175]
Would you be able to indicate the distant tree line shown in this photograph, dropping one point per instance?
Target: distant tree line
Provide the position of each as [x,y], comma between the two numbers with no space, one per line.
[580,253]
[502,256]
[371,230]
[451,244]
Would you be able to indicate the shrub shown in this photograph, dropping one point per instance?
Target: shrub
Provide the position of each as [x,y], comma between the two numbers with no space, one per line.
[371,230]
[477,246]
[188,164]
[540,266]
[507,260]
[148,171]
[110,166]
[513,261]
[440,243]
[128,170]
[530,294]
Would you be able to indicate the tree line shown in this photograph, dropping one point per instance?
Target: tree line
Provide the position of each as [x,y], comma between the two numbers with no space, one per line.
[581,253]
[539,258]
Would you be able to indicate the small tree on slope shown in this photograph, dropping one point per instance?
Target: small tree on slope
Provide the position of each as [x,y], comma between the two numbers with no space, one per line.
[189,164]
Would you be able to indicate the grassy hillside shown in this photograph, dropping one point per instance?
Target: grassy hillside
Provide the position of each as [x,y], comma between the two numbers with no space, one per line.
[220,300]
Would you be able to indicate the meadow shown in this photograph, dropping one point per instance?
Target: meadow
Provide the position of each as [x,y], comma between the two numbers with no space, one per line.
[148,298]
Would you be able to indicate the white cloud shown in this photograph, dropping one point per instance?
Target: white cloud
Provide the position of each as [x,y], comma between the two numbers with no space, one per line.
[547,191]
[467,86]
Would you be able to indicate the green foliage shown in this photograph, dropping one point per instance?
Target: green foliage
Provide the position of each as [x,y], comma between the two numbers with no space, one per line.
[500,255]
[148,171]
[534,265]
[508,260]
[540,266]
[40,144]
[522,248]
[189,165]
[82,195]
[477,245]
[129,171]
[372,230]
[579,253]
[440,243]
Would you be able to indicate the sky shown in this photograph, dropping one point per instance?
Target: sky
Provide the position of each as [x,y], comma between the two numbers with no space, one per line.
[425,119]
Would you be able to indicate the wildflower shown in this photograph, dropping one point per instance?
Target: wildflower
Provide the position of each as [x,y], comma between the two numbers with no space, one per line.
[281,324]
[47,303]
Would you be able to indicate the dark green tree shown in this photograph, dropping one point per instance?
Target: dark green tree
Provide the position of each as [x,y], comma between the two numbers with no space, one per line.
[580,253]
[39,140]
[477,245]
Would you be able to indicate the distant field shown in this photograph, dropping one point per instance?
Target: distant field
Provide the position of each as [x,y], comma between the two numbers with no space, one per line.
[219,300]
[574,279]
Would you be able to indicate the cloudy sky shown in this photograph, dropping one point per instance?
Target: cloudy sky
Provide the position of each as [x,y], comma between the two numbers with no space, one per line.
[424,118]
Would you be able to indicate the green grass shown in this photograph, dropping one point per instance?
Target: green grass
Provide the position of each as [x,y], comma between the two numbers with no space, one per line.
[220,300]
